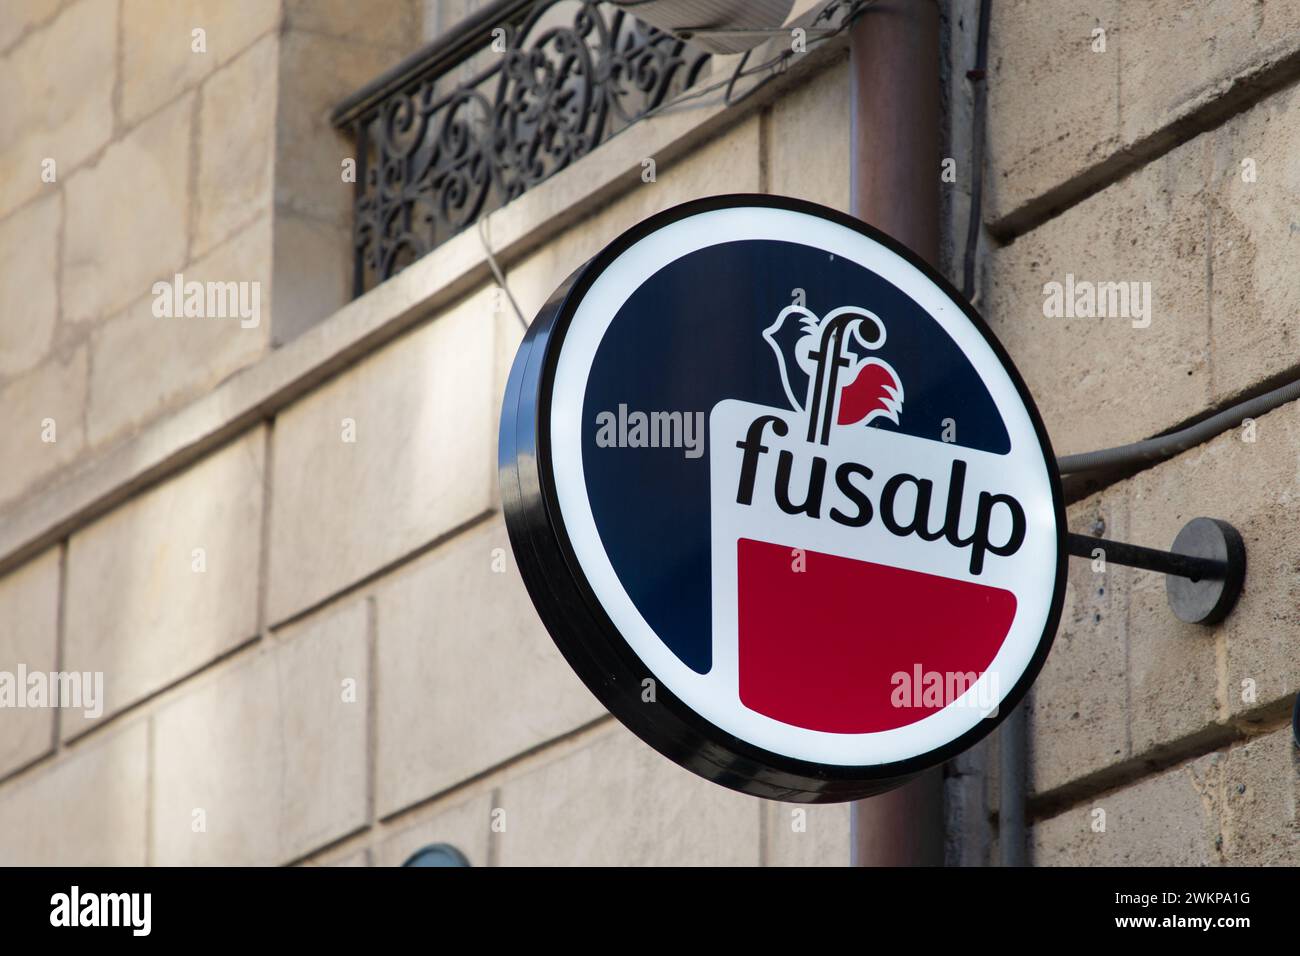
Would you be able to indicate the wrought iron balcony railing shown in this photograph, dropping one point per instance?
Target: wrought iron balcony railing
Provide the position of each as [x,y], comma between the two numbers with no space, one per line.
[510,96]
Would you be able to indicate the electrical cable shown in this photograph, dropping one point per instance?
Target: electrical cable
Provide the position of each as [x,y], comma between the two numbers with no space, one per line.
[1013,734]
[496,271]
[1142,452]
[736,74]
[1166,446]
[978,77]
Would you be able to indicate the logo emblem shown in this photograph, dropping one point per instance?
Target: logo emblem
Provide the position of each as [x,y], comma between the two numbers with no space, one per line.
[828,371]
[781,499]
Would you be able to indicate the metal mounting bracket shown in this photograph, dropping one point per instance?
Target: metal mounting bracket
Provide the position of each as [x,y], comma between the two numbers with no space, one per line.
[1204,570]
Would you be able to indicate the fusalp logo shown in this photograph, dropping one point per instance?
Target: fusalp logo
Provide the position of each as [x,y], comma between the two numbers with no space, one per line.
[861,557]
[810,611]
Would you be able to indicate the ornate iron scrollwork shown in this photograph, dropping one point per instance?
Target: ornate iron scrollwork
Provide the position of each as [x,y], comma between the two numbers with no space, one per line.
[433,158]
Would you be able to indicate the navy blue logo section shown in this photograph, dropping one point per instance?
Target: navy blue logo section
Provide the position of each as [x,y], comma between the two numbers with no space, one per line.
[743,320]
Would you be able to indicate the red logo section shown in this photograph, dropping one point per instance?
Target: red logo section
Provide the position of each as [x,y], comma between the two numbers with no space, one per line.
[819,647]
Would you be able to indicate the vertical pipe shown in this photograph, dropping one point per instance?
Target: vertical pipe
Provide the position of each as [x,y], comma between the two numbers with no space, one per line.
[894,136]
[1012,746]
[894,185]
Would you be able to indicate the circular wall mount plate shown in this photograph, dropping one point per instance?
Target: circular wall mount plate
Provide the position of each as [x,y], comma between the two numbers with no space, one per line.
[1207,600]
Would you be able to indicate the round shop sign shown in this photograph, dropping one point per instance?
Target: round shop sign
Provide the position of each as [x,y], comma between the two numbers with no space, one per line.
[781,499]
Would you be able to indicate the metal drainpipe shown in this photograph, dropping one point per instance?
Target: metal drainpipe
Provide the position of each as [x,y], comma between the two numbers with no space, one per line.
[894,185]
[1013,743]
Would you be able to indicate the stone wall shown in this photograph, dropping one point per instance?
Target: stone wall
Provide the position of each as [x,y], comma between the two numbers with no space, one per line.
[146,138]
[283,548]
[285,553]
[1155,142]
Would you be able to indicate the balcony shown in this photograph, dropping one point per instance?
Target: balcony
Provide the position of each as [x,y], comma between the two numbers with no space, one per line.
[504,100]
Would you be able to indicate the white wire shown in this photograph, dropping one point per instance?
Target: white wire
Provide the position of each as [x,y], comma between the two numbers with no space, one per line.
[776,65]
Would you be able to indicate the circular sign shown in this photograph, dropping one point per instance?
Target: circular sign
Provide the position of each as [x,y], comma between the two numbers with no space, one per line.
[781,499]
